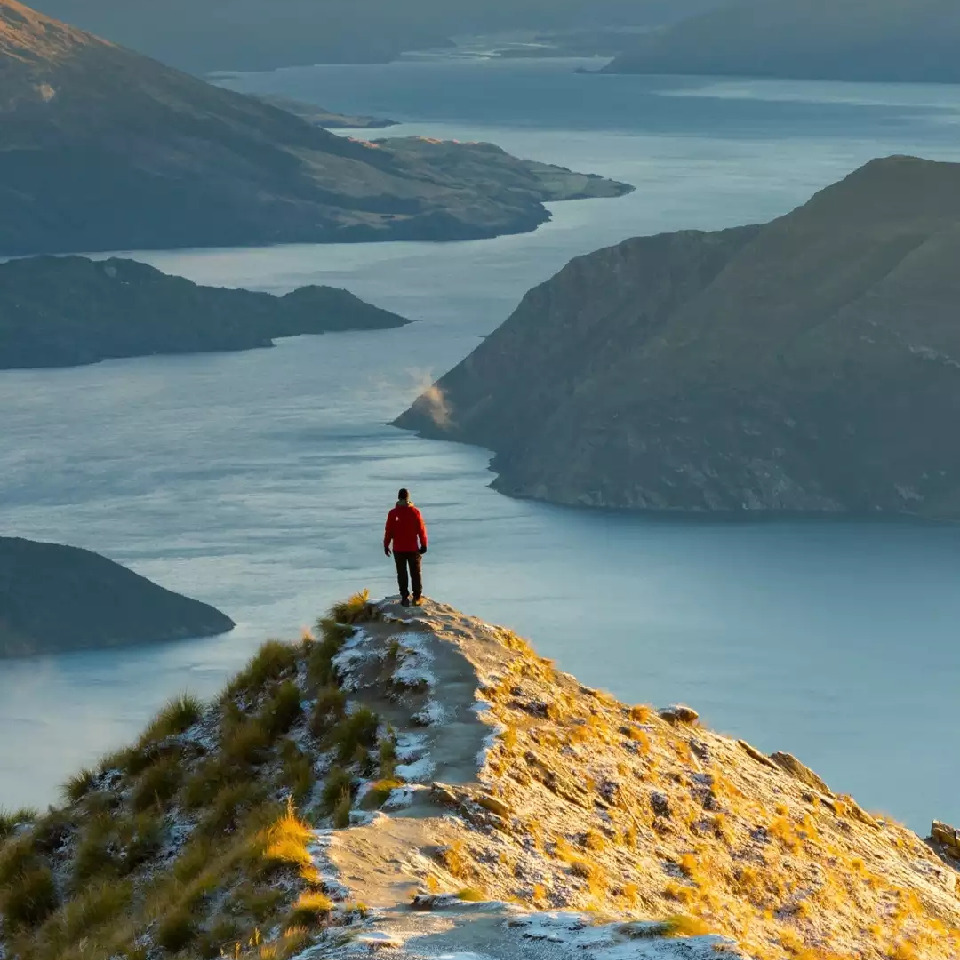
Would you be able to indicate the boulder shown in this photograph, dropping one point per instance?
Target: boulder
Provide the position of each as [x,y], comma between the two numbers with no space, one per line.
[790,764]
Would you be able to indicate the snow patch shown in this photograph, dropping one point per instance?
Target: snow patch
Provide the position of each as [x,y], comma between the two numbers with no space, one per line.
[350,658]
[636,941]
[414,671]
[432,715]
[420,771]
[411,746]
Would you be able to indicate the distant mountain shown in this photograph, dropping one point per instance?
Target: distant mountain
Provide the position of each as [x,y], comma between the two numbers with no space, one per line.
[896,40]
[812,364]
[68,311]
[54,599]
[328,119]
[104,149]
[257,35]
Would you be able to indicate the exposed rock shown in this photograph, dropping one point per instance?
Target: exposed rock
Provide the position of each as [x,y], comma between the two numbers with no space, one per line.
[765,369]
[756,754]
[494,805]
[55,599]
[947,838]
[679,713]
[104,149]
[796,769]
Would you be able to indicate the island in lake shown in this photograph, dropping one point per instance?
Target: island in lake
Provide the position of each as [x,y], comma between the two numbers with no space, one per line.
[57,599]
[69,311]
[809,365]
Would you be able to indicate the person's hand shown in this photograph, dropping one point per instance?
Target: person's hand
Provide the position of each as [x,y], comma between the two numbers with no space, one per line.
[423,550]
[386,551]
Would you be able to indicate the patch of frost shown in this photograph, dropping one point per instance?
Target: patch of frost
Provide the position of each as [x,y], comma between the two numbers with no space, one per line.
[432,715]
[420,771]
[415,660]
[399,798]
[411,746]
[349,658]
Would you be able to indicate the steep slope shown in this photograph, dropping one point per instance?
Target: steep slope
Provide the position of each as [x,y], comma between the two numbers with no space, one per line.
[105,149]
[54,599]
[807,365]
[251,35]
[454,791]
[898,40]
[68,311]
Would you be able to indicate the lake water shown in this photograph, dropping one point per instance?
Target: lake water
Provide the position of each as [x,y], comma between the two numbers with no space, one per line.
[259,481]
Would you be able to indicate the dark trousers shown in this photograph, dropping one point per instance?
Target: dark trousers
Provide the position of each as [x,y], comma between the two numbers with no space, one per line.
[412,561]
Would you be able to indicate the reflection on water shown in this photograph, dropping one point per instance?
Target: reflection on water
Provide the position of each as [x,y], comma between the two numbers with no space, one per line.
[259,481]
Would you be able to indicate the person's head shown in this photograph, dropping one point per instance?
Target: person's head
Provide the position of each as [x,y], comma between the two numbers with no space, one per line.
[404,494]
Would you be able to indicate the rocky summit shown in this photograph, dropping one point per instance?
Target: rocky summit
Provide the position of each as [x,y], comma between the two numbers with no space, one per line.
[104,149]
[56,599]
[807,365]
[421,783]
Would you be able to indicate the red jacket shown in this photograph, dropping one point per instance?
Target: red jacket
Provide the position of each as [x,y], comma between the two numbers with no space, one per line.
[406,529]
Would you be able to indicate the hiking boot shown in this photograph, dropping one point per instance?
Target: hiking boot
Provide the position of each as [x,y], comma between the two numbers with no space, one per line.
[405,602]
[417,602]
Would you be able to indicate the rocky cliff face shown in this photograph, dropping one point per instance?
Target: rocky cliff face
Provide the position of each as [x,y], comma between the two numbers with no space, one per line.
[105,149]
[807,365]
[895,40]
[55,599]
[68,311]
[420,782]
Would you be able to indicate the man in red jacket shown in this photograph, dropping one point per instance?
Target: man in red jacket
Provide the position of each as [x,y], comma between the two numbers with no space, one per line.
[408,534]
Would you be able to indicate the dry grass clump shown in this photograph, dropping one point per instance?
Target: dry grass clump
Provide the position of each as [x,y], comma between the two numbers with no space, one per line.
[281,710]
[173,846]
[79,785]
[330,707]
[11,821]
[355,736]
[311,909]
[351,610]
[274,661]
[681,925]
[28,893]
[286,841]
[178,716]
[158,783]
[320,654]
[456,859]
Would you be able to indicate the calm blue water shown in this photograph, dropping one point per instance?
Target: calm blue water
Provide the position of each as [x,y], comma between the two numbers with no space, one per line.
[259,481]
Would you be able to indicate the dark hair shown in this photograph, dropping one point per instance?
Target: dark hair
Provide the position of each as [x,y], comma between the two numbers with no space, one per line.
[404,494]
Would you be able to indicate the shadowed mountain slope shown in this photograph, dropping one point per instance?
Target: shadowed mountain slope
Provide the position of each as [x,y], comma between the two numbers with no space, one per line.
[69,311]
[104,149]
[55,599]
[896,40]
[252,35]
[812,364]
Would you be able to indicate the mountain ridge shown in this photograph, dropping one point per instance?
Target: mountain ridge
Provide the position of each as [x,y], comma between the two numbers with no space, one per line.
[416,780]
[109,150]
[779,368]
[887,40]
